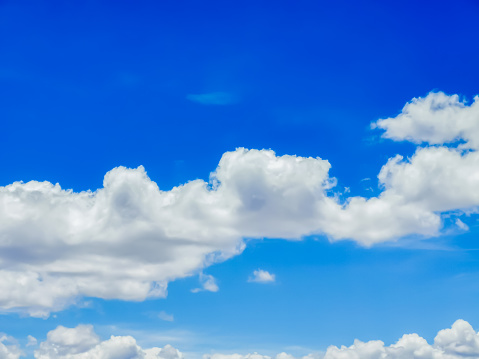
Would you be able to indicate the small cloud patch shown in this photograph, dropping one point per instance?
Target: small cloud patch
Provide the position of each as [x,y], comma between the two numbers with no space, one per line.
[262,276]
[208,283]
[166,317]
[32,341]
[462,225]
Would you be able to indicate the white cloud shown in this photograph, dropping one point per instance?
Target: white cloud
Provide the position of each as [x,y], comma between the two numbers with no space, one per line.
[82,343]
[9,349]
[166,317]
[262,276]
[416,191]
[436,119]
[462,225]
[32,341]
[167,352]
[128,239]
[213,98]
[68,341]
[208,284]
[458,342]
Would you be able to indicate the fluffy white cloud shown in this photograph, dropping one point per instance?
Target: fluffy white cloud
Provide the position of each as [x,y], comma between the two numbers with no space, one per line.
[167,352]
[458,342]
[416,192]
[8,348]
[128,239]
[436,179]
[435,119]
[64,342]
[262,276]
[82,343]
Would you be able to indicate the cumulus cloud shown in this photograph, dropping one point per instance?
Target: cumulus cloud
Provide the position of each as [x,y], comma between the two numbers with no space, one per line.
[417,190]
[128,239]
[9,348]
[82,342]
[213,98]
[459,341]
[435,119]
[262,276]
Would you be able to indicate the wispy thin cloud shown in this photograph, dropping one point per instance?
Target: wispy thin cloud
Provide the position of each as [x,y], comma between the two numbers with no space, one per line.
[166,317]
[32,341]
[208,284]
[462,225]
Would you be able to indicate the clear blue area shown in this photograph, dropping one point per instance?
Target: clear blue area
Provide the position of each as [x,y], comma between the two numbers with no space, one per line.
[89,85]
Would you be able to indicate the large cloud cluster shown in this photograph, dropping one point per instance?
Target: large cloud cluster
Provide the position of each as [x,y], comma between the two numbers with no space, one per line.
[458,342]
[128,239]
[83,343]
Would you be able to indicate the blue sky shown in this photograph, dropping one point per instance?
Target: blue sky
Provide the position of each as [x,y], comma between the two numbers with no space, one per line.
[177,87]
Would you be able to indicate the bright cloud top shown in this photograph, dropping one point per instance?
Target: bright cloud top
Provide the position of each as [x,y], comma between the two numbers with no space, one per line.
[460,341]
[436,119]
[81,342]
[8,348]
[128,239]
[262,276]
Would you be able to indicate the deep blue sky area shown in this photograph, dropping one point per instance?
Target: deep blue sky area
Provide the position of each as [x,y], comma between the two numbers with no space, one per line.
[89,86]
[86,86]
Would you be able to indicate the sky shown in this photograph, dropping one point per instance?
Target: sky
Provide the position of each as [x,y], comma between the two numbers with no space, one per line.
[239,180]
